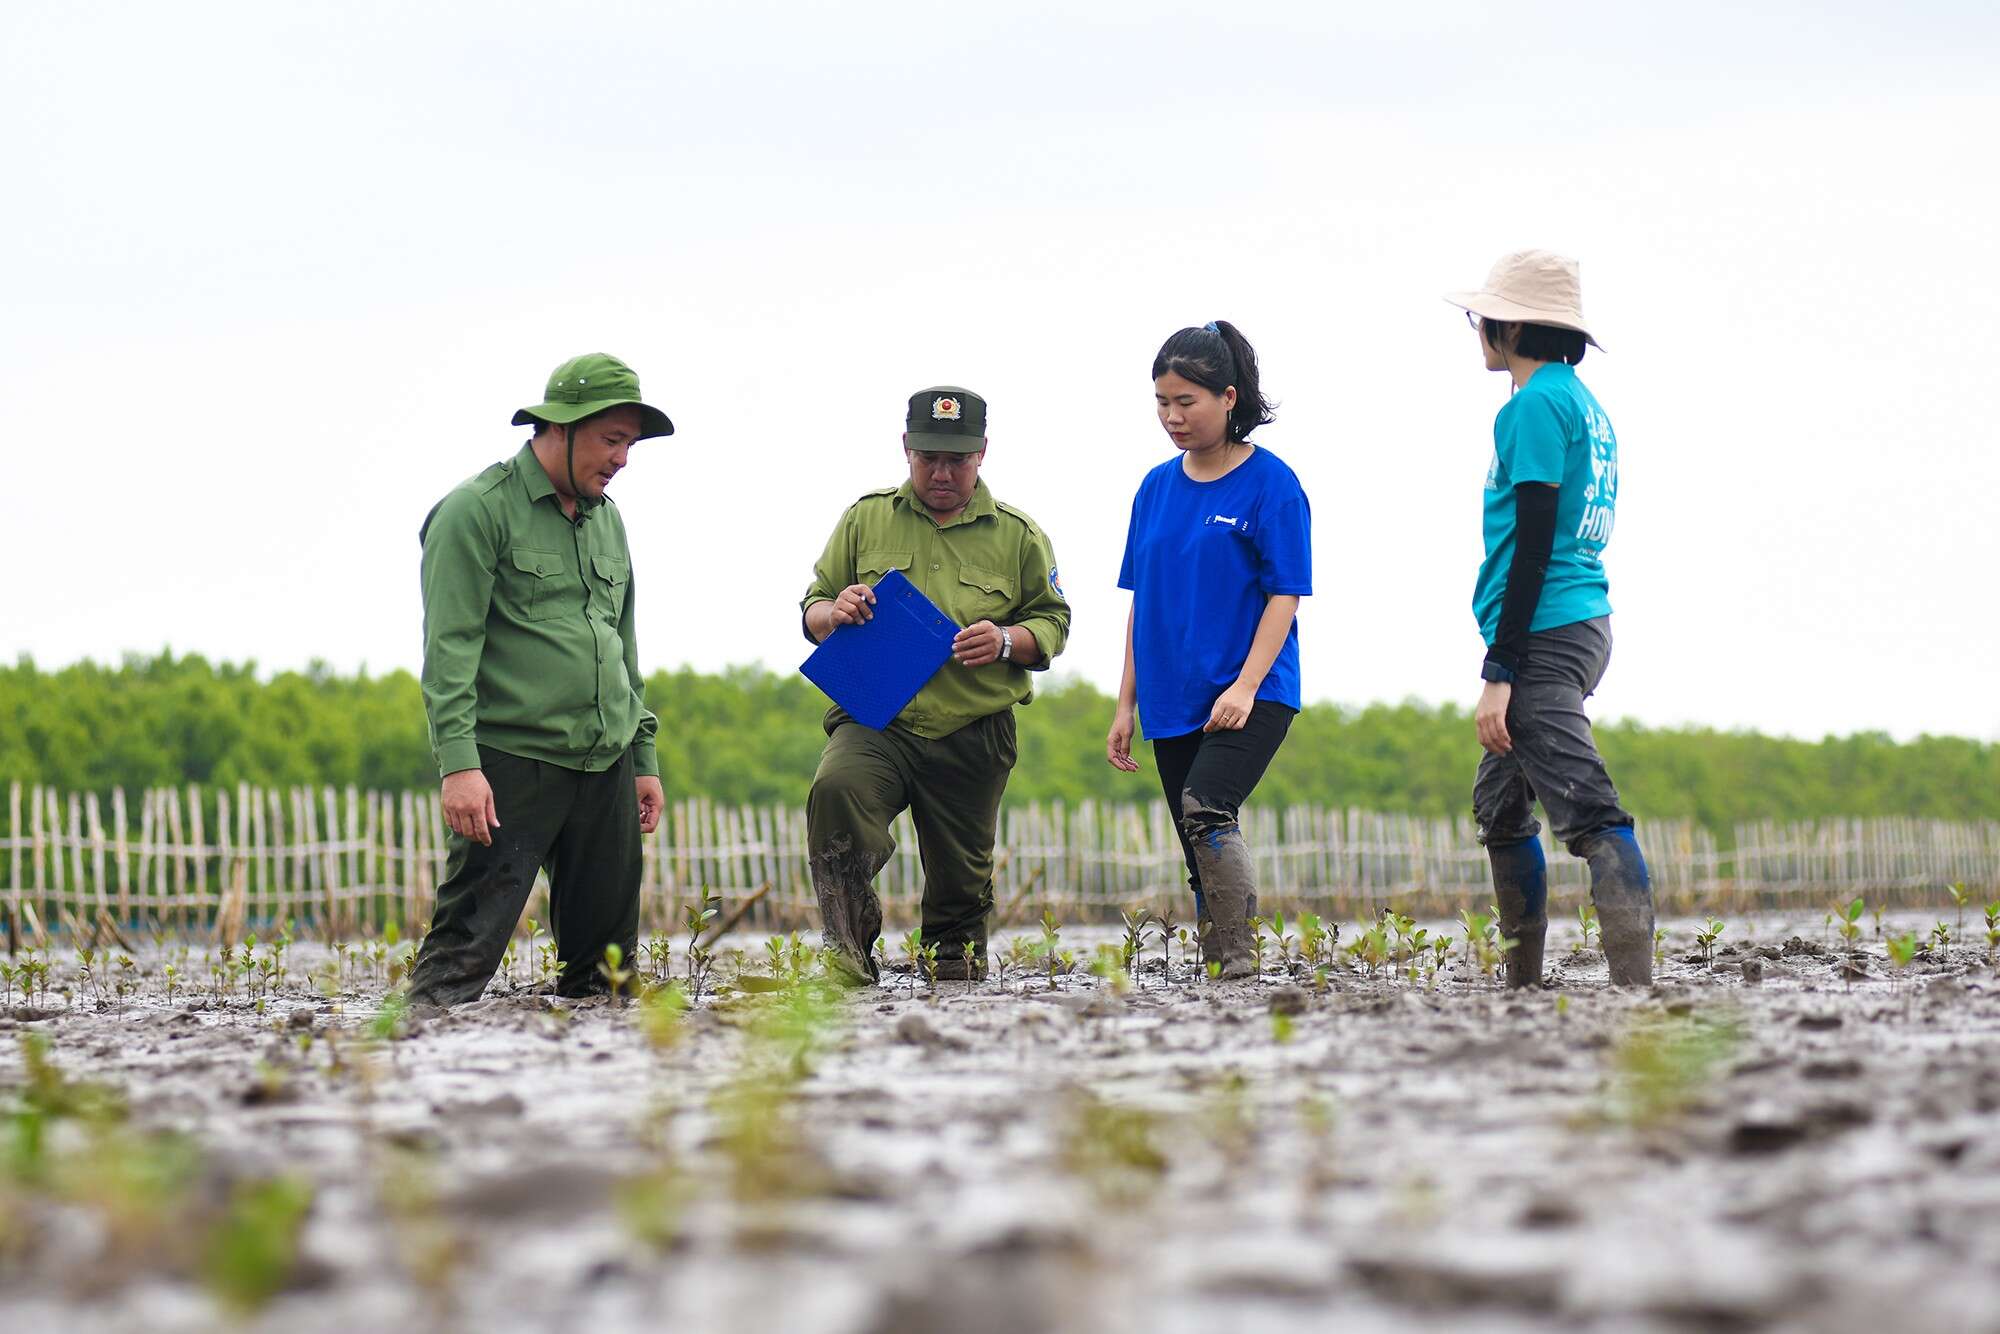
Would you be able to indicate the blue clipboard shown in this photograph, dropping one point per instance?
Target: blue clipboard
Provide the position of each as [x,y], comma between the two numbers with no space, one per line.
[874,669]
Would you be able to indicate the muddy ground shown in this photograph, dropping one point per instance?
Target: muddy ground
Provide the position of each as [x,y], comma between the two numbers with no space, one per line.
[1799,1151]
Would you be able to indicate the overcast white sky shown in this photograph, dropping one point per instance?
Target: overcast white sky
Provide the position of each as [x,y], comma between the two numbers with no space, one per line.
[277,275]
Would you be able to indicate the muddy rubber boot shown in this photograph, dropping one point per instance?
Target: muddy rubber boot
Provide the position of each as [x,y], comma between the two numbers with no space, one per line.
[1227,886]
[1622,889]
[1521,888]
[850,915]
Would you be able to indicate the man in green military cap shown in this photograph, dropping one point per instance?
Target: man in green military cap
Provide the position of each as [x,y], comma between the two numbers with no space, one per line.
[531,683]
[947,755]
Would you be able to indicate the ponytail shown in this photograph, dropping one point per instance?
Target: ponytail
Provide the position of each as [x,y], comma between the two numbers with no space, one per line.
[1216,357]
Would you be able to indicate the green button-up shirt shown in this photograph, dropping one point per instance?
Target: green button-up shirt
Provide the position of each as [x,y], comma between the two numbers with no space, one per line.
[529,644]
[991,563]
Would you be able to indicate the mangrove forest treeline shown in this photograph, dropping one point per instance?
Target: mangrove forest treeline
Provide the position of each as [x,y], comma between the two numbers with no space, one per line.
[749,735]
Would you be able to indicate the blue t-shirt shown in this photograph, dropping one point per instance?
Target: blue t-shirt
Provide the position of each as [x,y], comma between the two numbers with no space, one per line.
[1201,558]
[1552,431]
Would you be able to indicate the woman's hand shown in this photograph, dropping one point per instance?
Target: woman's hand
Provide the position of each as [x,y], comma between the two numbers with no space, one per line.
[1118,743]
[1490,717]
[1232,709]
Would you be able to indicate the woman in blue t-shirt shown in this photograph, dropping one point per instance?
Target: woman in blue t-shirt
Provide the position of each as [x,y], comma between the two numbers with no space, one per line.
[1543,605]
[1217,557]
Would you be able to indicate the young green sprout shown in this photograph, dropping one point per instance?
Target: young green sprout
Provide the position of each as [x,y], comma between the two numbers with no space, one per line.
[1992,928]
[1849,919]
[1136,920]
[1108,965]
[1961,897]
[1903,951]
[1164,923]
[614,972]
[1284,943]
[1941,937]
[971,955]
[1586,920]
[1706,938]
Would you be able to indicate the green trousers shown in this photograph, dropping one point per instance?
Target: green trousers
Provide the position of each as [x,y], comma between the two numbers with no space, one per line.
[584,829]
[952,788]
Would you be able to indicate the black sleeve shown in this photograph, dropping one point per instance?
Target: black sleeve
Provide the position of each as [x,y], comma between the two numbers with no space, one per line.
[1534,539]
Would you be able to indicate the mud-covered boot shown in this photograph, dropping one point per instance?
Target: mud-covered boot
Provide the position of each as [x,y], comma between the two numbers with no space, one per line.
[850,915]
[1521,888]
[1227,886]
[1622,889]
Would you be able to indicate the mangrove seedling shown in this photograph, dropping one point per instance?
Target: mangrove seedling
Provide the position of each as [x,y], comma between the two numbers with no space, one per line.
[1477,927]
[1257,925]
[1164,923]
[660,1015]
[1940,937]
[1586,920]
[1992,928]
[1108,965]
[1111,1148]
[1283,942]
[1312,940]
[1661,1069]
[614,972]
[1135,936]
[1849,921]
[913,956]
[1903,951]
[1659,946]
[1706,938]
[1961,897]
[971,955]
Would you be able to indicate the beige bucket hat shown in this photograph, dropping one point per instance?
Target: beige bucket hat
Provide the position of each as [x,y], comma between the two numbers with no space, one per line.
[1531,287]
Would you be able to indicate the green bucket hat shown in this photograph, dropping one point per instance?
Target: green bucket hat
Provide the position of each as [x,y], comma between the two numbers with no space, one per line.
[591,383]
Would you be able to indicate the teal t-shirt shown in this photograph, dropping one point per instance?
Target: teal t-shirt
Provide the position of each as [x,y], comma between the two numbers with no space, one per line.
[1552,431]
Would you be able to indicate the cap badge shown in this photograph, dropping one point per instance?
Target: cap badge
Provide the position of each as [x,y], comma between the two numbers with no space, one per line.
[944,409]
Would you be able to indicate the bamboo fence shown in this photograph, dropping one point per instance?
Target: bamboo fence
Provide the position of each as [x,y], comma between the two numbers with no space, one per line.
[183,860]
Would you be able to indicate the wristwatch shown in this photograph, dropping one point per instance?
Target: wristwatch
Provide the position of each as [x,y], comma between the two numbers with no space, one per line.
[1006,644]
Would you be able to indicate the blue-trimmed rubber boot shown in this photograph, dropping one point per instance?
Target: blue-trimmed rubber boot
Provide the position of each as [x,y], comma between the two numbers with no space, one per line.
[1521,889]
[1622,889]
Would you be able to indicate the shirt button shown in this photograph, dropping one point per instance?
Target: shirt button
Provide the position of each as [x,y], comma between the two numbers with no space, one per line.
[934,566]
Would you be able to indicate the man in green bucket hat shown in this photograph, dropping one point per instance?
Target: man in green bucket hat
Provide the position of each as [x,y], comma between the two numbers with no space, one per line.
[531,684]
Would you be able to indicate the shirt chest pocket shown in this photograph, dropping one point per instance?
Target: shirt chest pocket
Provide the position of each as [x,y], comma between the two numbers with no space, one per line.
[610,575]
[538,585]
[870,566]
[984,594]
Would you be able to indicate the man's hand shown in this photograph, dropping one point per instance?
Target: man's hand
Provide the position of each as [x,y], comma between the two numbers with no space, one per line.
[853,605]
[977,644]
[468,806]
[1118,743]
[652,800]
[1232,709]
[1490,718]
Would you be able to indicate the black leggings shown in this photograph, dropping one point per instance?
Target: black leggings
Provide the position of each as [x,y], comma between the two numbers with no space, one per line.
[1207,776]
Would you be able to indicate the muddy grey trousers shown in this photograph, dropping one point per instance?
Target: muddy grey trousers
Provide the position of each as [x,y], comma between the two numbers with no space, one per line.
[951,786]
[1555,756]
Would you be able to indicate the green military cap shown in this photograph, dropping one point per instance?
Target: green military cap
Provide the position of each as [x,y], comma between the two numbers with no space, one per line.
[947,420]
[591,383]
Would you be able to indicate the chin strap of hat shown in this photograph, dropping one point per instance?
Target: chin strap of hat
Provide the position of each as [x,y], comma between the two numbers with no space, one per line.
[569,465]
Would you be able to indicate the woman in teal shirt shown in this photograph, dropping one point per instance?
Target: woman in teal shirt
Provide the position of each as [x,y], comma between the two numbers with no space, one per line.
[1544,608]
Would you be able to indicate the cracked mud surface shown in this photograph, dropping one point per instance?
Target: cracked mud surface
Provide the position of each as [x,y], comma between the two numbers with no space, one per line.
[1798,1152]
